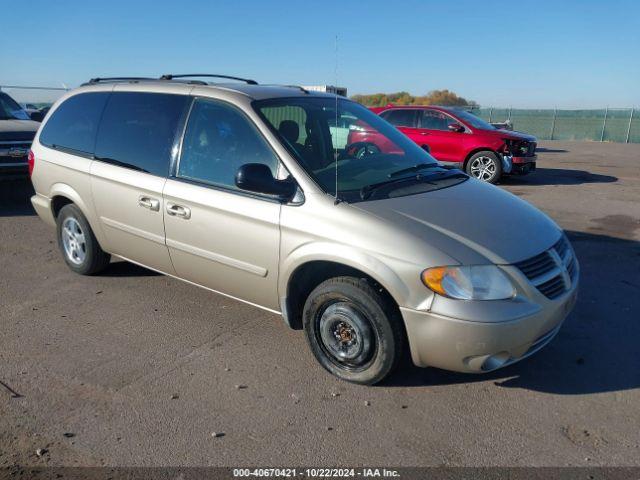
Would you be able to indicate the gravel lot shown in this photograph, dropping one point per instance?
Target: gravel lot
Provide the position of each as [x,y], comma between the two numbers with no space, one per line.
[134,368]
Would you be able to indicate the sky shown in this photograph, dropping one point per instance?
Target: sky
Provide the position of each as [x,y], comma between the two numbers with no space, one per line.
[524,54]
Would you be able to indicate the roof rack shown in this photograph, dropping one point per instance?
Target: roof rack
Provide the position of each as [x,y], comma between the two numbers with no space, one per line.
[302,89]
[116,79]
[298,87]
[170,76]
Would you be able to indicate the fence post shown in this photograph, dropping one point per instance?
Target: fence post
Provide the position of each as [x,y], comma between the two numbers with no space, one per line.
[490,114]
[553,122]
[604,123]
[629,127]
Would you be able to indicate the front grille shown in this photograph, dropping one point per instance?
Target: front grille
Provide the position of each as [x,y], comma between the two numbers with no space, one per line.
[552,272]
[552,288]
[536,266]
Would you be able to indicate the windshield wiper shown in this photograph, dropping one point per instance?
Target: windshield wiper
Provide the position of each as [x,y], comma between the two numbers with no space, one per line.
[419,166]
[367,190]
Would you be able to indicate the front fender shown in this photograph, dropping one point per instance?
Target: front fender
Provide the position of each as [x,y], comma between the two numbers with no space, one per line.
[351,257]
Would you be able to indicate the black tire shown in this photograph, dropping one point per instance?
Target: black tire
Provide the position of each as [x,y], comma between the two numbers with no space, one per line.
[89,258]
[375,323]
[483,164]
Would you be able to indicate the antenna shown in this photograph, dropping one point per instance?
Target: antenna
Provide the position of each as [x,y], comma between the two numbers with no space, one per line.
[335,133]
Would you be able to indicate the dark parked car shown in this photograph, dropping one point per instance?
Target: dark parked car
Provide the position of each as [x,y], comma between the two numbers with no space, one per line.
[16,134]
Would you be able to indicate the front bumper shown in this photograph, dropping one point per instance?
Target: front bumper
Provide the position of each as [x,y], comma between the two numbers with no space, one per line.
[518,165]
[479,347]
[18,169]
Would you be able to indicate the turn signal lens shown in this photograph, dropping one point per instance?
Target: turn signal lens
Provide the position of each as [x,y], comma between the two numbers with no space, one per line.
[475,282]
[432,278]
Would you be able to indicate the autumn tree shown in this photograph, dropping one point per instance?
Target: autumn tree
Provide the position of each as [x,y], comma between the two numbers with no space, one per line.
[435,97]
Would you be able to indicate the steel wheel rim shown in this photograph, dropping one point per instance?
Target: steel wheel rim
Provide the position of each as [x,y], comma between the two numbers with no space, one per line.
[346,335]
[73,241]
[483,168]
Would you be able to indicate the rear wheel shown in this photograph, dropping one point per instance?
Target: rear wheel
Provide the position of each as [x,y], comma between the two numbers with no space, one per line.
[485,166]
[78,244]
[353,330]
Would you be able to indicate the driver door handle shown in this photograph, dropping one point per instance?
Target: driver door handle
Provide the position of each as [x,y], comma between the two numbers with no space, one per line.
[151,203]
[178,211]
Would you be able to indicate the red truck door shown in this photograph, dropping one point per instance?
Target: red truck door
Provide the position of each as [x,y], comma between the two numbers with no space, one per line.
[445,145]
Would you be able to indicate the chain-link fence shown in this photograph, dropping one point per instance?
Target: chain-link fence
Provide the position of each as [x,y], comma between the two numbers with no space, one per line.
[604,125]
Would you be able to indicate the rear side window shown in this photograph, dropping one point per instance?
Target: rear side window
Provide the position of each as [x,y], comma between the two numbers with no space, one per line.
[138,130]
[401,118]
[73,125]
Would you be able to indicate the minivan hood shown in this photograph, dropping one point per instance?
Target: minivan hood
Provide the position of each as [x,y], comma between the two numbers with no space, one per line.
[471,222]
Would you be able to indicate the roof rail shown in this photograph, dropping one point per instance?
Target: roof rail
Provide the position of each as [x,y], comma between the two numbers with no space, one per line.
[170,76]
[116,79]
[302,89]
[298,87]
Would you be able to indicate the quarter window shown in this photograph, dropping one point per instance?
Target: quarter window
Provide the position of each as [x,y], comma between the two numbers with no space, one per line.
[401,118]
[218,140]
[73,125]
[138,130]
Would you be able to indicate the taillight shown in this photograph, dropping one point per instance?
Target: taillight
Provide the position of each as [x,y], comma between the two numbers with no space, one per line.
[31,160]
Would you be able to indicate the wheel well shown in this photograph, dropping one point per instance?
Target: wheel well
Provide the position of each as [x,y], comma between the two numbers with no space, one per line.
[473,152]
[308,276]
[57,203]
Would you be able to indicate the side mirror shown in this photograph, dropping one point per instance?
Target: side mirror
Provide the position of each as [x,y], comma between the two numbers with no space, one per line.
[455,127]
[257,177]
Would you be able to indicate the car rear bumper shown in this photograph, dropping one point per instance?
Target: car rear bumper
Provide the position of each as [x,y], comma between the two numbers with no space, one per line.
[42,206]
[479,347]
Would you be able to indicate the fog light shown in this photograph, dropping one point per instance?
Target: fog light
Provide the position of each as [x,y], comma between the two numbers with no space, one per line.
[486,363]
[495,361]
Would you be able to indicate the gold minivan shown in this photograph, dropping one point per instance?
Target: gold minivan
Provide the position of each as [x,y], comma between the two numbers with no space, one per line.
[255,192]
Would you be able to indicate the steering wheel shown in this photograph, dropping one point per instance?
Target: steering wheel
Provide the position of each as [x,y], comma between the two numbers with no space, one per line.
[361,150]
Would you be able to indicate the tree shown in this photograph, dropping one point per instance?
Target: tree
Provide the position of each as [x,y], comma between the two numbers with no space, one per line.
[434,97]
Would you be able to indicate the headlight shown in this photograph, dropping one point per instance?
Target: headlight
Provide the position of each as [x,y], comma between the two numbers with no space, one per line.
[475,282]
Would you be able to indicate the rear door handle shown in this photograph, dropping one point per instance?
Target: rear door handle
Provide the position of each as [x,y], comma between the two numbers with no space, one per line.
[149,202]
[178,211]
[424,133]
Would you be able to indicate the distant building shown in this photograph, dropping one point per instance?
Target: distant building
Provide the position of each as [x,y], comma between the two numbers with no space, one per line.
[327,89]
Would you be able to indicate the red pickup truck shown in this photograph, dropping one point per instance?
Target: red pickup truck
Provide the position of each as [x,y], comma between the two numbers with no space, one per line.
[456,137]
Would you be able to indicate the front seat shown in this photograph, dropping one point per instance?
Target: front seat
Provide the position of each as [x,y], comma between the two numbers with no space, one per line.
[290,131]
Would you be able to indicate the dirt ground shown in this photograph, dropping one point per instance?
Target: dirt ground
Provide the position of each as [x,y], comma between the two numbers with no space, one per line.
[133,368]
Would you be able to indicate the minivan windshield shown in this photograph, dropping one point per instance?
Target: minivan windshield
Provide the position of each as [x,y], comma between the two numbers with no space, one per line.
[10,110]
[342,144]
[473,120]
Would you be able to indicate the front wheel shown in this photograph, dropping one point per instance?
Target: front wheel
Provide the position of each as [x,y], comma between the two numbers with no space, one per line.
[353,330]
[485,166]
